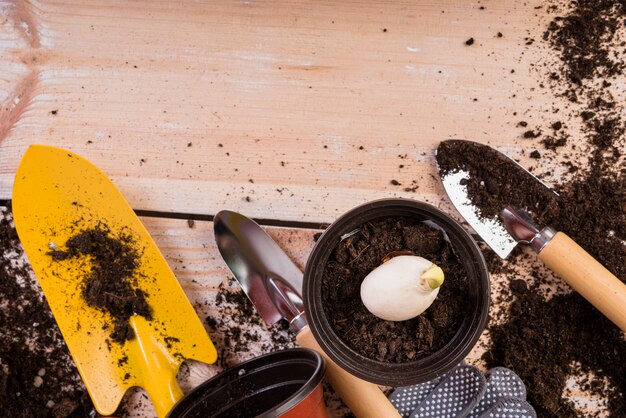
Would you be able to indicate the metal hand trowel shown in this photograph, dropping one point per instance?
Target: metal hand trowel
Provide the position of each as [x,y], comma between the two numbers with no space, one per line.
[57,193]
[274,284]
[459,160]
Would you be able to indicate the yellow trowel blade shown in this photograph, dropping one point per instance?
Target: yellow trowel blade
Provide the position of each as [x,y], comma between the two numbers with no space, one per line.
[57,194]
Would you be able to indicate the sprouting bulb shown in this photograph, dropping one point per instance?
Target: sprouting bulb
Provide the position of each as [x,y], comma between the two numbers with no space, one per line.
[401,288]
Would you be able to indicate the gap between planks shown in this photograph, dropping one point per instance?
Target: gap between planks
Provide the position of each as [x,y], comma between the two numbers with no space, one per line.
[209,218]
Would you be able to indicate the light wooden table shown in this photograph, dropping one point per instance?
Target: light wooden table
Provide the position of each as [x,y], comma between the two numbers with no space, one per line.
[287,111]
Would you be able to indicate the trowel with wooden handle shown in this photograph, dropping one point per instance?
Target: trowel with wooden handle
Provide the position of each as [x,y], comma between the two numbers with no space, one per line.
[56,194]
[273,283]
[502,233]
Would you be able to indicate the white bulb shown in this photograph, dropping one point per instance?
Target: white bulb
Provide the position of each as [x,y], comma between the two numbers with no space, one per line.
[396,290]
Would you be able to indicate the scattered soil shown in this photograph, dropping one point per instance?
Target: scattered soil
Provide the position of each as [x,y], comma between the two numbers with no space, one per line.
[584,38]
[110,285]
[239,333]
[551,334]
[37,375]
[239,327]
[591,211]
[375,338]
[546,342]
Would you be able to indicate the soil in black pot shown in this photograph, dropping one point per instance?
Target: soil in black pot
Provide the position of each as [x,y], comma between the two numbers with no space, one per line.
[387,341]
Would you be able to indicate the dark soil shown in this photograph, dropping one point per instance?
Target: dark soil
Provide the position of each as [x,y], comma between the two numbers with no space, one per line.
[110,284]
[546,341]
[546,337]
[584,36]
[493,179]
[236,329]
[375,338]
[37,375]
[553,142]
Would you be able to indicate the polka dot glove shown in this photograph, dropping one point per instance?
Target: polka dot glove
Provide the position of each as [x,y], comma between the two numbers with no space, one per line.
[465,392]
[500,383]
[406,399]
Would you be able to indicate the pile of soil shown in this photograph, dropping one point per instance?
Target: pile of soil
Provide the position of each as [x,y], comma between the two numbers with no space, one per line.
[591,211]
[37,375]
[110,284]
[548,336]
[493,179]
[397,342]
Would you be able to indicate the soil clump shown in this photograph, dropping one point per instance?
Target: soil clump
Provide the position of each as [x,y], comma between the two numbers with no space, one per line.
[110,285]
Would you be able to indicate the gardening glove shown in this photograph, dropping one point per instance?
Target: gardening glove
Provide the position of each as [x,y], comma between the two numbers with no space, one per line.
[465,392]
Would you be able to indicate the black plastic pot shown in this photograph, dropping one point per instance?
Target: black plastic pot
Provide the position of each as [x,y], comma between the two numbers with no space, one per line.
[285,383]
[423,369]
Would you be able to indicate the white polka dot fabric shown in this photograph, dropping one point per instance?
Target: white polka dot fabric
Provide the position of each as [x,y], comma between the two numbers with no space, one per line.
[465,392]
[510,408]
[454,396]
[406,398]
[501,383]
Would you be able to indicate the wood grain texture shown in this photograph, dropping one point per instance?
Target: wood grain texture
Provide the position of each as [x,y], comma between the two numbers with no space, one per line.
[286,110]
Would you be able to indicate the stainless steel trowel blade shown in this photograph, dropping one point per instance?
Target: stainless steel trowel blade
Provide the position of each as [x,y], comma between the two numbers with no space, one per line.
[491,230]
[266,274]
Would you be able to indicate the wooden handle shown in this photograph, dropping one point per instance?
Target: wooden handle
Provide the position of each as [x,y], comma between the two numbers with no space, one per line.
[365,399]
[588,277]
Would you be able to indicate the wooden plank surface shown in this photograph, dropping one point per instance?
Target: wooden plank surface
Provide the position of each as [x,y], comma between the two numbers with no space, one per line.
[288,110]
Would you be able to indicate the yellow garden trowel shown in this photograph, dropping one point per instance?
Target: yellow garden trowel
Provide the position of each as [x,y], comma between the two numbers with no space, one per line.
[56,194]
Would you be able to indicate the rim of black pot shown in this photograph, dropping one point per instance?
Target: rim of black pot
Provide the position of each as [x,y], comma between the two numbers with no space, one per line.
[254,377]
[423,369]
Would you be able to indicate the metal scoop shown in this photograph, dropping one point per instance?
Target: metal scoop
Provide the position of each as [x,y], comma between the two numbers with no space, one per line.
[273,283]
